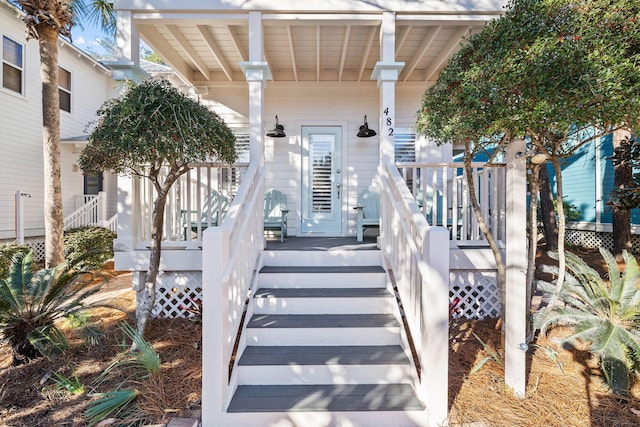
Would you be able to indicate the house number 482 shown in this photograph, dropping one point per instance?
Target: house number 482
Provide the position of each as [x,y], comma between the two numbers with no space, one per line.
[388,122]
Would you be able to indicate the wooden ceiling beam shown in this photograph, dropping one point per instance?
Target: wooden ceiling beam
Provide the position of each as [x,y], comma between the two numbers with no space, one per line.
[189,50]
[215,50]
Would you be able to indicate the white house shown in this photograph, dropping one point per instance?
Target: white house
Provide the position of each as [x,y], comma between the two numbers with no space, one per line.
[84,85]
[309,337]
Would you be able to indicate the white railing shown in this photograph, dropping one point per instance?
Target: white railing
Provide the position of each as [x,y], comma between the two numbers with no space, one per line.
[92,212]
[112,223]
[229,260]
[186,212]
[414,253]
[441,191]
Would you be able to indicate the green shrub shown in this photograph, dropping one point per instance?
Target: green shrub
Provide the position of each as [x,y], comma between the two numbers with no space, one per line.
[32,302]
[7,251]
[89,247]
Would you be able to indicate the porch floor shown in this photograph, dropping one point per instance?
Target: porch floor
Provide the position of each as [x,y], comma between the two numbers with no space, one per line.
[322,244]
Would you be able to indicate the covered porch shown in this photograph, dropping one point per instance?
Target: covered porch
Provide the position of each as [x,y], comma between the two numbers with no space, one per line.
[318,71]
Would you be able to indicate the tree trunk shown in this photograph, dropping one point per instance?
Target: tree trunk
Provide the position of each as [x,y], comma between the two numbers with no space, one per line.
[548,214]
[534,185]
[147,296]
[502,274]
[53,220]
[622,175]
[562,263]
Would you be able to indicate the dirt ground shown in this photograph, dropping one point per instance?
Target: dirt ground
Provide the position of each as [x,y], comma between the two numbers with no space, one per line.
[564,387]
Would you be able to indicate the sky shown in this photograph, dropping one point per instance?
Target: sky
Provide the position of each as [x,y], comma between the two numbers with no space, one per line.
[85,38]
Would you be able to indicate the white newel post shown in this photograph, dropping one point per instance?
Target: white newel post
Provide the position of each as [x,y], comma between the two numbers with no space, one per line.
[215,336]
[516,269]
[102,209]
[435,333]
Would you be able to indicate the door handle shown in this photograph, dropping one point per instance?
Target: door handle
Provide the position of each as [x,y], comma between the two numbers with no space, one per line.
[338,188]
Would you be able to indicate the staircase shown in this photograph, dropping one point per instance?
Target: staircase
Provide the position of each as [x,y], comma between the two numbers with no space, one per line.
[323,345]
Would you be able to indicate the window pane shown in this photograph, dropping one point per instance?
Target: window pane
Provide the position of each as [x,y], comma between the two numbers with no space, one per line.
[64,79]
[65,100]
[11,78]
[12,52]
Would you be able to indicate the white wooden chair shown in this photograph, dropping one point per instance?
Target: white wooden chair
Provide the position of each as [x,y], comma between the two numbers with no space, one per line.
[368,211]
[275,212]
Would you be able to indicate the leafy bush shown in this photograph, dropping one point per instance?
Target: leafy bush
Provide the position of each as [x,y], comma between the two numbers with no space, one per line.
[32,301]
[7,251]
[605,315]
[92,245]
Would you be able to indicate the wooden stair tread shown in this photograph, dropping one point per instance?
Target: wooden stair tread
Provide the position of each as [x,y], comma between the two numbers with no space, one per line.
[349,269]
[323,355]
[322,321]
[322,293]
[321,397]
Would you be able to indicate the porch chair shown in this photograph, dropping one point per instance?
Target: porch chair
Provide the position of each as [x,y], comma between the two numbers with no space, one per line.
[275,212]
[368,211]
[213,210]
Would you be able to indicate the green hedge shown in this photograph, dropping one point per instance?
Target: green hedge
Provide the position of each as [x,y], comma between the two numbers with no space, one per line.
[7,251]
[90,247]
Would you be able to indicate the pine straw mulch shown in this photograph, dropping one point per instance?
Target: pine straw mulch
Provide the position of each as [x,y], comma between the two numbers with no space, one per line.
[567,391]
[29,397]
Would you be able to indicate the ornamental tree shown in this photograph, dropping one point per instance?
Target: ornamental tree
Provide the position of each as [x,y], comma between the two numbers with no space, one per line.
[153,127]
[543,73]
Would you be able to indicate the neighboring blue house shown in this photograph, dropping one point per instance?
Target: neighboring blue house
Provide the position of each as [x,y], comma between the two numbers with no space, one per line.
[587,183]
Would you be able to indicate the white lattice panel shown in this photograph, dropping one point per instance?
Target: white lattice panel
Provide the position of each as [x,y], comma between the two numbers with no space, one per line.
[37,245]
[175,291]
[479,294]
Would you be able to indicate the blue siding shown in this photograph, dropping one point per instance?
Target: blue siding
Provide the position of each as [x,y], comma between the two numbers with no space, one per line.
[578,179]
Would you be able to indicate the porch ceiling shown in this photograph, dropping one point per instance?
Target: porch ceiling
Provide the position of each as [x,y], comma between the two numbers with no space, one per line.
[205,50]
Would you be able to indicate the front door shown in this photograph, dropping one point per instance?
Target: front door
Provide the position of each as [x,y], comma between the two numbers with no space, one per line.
[322,185]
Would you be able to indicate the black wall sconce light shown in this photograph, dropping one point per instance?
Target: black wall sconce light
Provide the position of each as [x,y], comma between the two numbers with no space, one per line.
[364,131]
[277,131]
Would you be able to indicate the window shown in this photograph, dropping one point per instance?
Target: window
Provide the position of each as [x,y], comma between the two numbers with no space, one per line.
[64,89]
[11,65]
[404,146]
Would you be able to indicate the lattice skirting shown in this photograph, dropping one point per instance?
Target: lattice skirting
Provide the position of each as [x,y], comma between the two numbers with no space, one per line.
[36,244]
[479,294]
[596,239]
[175,292]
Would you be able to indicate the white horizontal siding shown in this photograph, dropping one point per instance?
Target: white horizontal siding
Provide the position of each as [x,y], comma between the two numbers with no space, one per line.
[21,165]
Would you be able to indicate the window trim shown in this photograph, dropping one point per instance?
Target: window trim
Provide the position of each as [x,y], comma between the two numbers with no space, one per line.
[21,68]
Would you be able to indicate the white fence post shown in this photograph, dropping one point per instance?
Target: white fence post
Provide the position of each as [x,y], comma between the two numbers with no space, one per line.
[435,314]
[215,307]
[516,269]
[127,213]
[19,216]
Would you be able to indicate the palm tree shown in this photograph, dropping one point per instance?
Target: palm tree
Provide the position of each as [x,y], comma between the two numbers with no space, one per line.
[46,20]
[606,315]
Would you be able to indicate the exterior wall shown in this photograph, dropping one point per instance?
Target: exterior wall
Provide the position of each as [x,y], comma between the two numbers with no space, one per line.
[327,104]
[21,166]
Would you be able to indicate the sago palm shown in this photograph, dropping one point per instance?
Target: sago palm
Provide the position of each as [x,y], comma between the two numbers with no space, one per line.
[45,21]
[32,301]
[605,315]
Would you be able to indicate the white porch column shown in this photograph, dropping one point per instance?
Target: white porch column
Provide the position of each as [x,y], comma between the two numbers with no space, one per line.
[516,270]
[125,240]
[127,65]
[386,72]
[257,73]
